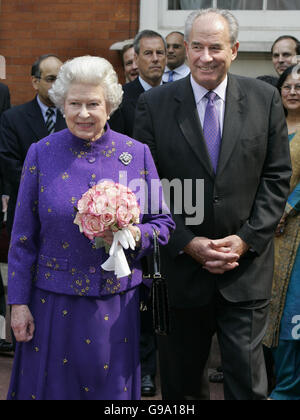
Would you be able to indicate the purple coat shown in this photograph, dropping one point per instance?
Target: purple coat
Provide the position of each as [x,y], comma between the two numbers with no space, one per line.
[47,248]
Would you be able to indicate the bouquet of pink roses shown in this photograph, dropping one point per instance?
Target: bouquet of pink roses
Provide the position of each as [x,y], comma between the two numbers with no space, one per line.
[109,206]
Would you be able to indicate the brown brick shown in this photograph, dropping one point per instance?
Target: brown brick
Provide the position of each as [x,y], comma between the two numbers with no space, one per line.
[67,28]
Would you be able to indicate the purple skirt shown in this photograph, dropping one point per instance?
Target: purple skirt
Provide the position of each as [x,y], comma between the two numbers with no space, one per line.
[83,349]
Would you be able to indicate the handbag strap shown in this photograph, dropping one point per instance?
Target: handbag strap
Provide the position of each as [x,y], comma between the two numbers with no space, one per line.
[156,255]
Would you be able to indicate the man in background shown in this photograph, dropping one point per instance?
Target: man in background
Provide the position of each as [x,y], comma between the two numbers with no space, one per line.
[26,124]
[284,51]
[4,345]
[130,68]
[150,57]
[176,55]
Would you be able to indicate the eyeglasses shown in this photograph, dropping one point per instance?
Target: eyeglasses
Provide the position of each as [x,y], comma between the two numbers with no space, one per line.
[48,79]
[289,88]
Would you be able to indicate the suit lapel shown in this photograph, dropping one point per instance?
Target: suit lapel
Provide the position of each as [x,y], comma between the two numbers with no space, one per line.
[36,120]
[188,119]
[233,121]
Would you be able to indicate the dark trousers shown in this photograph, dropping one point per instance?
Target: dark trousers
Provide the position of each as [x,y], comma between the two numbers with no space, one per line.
[184,353]
[148,345]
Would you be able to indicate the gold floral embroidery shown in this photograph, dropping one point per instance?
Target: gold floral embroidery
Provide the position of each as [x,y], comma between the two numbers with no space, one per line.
[88,341]
[129,143]
[32,169]
[65,176]
[106,367]
[23,239]
[65,245]
[65,313]
[144,172]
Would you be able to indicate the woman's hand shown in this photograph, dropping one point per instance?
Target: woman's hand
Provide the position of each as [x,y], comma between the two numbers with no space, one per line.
[108,236]
[22,323]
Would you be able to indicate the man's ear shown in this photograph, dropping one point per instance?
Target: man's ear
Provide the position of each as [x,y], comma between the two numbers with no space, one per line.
[235,49]
[35,82]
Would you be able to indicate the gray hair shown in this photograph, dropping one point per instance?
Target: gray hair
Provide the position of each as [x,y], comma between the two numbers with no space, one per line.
[146,34]
[87,70]
[229,17]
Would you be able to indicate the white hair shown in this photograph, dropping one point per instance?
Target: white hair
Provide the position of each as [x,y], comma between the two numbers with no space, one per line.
[87,70]
[226,14]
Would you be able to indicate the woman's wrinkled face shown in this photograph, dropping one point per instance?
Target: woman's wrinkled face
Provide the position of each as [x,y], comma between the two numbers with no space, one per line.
[86,111]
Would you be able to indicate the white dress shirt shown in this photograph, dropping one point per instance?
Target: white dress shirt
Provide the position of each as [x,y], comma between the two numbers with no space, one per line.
[179,73]
[201,100]
[44,109]
[145,85]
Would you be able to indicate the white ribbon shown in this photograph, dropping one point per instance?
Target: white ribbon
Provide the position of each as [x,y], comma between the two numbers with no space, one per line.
[117,261]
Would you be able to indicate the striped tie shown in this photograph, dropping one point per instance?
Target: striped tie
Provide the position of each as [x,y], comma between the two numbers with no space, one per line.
[49,121]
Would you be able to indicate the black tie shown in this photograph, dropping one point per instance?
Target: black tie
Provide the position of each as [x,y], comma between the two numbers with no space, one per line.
[49,121]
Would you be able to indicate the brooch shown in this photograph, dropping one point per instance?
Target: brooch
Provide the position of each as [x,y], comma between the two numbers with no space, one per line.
[126,158]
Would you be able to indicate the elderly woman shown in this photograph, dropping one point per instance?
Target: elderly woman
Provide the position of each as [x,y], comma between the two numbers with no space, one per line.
[283,335]
[78,325]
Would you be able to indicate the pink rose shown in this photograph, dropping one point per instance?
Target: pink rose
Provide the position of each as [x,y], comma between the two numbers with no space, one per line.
[123,217]
[92,226]
[108,218]
[100,204]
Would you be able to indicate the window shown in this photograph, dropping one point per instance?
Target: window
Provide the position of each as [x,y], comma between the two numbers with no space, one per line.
[235,4]
[261,21]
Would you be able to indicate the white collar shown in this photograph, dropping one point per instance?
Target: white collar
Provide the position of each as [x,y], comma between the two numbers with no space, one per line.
[146,85]
[200,91]
[182,70]
[44,108]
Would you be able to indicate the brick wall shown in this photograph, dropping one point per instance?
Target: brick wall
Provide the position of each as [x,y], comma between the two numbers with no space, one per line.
[67,28]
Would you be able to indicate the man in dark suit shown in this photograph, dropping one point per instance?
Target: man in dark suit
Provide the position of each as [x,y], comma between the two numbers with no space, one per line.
[229,131]
[28,123]
[150,57]
[4,345]
[4,98]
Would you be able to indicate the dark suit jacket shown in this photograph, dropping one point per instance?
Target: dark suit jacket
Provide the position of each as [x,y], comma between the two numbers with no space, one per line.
[4,105]
[20,127]
[122,120]
[247,195]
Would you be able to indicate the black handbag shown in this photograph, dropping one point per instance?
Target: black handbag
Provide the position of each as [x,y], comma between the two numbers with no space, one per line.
[159,292]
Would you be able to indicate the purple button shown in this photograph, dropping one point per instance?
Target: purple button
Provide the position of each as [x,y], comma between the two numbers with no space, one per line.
[92,270]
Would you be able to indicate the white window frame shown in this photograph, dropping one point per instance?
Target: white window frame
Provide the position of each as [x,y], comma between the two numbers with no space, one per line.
[258,29]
